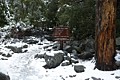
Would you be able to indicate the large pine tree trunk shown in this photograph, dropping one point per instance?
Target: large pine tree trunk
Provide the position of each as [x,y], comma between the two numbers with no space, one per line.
[105,34]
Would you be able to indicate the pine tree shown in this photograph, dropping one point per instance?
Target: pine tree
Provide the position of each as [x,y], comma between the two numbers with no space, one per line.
[105,35]
[3,20]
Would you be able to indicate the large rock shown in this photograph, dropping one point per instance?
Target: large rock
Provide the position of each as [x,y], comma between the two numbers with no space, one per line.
[32,41]
[53,61]
[118,41]
[39,56]
[15,49]
[79,68]
[65,63]
[87,45]
[68,49]
[118,64]
[25,46]
[4,76]
[74,61]
[86,55]
[94,78]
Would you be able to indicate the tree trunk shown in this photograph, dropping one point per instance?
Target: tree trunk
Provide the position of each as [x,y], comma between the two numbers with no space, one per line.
[105,34]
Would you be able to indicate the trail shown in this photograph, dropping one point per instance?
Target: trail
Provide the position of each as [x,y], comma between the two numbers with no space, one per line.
[22,66]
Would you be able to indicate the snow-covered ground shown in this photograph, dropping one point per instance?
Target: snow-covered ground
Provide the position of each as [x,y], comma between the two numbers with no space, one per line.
[23,66]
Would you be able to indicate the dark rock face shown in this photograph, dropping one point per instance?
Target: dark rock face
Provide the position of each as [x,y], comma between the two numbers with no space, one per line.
[4,76]
[79,68]
[53,61]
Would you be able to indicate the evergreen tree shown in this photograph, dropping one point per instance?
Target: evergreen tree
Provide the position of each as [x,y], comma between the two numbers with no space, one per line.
[118,19]
[3,20]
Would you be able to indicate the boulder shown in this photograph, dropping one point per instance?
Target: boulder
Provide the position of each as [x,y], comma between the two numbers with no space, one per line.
[3,59]
[5,55]
[117,77]
[1,53]
[86,55]
[25,46]
[118,64]
[79,68]
[87,79]
[56,47]
[4,76]
[67,56]
[74,61]
[74,54]
[15,49]
[39,56]
[94,78]
[32,41]
[68,49]
[8,55]
[53,61]
[118,41]
[72,76]
[87,45]
[49,38]
[65,63]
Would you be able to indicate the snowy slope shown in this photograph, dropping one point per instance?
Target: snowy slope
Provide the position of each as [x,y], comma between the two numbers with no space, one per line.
[23,66]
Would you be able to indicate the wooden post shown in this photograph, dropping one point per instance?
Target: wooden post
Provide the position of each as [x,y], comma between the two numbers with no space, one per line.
[61,45]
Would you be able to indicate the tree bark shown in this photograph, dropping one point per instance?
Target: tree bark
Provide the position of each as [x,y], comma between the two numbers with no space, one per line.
[105,34]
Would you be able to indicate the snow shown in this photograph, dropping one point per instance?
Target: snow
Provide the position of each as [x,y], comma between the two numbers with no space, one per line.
[23,66]
[117,57]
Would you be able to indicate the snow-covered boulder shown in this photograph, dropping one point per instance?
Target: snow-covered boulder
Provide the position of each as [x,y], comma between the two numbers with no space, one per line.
[39,56]
[65,63]
[15,49]
[4,76]
[54,60]
[74,61]
[68,49]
